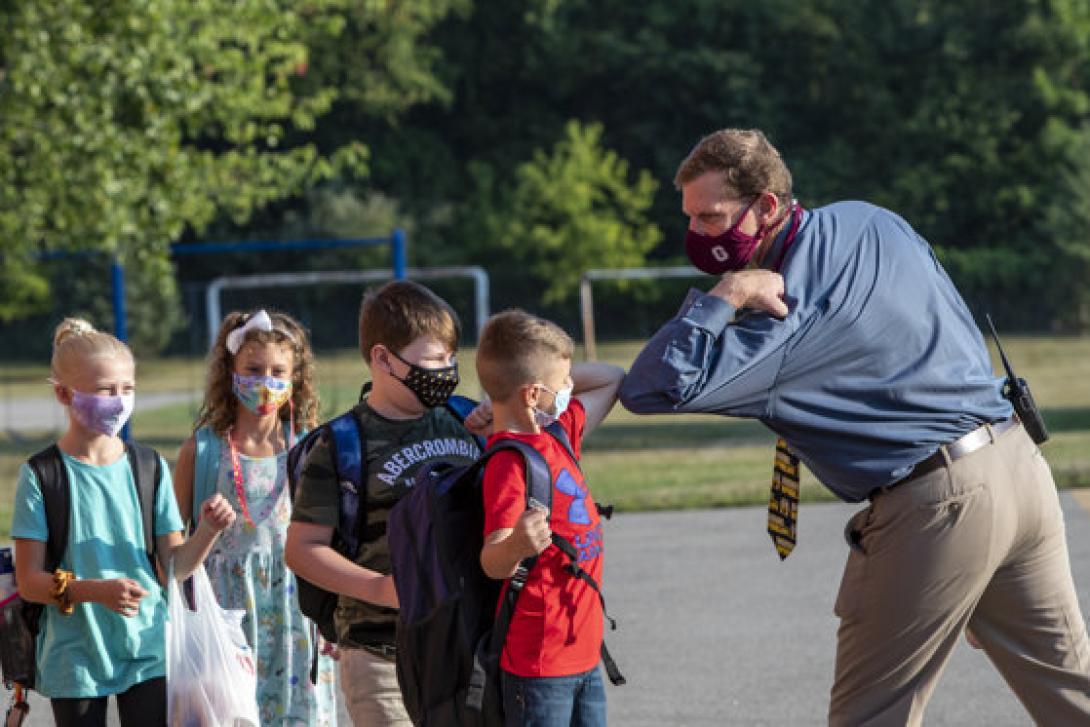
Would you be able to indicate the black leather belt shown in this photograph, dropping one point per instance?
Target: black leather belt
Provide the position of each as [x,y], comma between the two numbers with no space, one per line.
[957,449]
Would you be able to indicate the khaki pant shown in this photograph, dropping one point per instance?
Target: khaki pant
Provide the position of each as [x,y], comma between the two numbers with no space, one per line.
[979,543]
[371,694]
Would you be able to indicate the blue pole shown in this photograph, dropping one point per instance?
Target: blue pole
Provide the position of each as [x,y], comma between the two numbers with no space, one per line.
[121,328]
[397,242]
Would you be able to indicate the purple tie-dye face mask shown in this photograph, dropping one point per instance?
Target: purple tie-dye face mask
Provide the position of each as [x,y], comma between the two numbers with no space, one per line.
[103,414]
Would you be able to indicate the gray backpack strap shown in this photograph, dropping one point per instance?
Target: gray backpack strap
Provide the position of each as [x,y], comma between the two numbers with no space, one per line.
[146,472]
[52,475]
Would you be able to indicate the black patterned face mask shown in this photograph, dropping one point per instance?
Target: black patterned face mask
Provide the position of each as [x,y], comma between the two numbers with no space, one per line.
[432,386]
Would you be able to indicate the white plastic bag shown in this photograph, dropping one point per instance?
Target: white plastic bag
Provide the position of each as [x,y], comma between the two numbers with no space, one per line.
[211,674]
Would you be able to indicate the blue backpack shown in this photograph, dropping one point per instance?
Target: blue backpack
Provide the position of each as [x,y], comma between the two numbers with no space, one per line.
[450,635]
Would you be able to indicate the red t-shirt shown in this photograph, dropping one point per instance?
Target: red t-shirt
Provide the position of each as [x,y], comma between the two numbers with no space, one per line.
[557,626]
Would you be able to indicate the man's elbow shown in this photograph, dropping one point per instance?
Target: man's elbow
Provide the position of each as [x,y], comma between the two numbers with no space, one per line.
[640,398]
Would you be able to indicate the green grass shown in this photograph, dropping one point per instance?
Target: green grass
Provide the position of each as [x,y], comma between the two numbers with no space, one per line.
[635,462]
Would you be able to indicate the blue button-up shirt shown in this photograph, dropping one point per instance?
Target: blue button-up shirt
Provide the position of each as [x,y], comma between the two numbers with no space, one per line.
[877,364]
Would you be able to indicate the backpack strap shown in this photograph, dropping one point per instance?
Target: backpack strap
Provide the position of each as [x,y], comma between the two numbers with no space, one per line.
[460,407]
[52,476]
[206,469]
[146,472]
[347,439]
[576,571]
[539,487]
[561,435]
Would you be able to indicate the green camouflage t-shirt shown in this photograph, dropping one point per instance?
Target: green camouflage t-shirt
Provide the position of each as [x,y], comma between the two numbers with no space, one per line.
[395,451]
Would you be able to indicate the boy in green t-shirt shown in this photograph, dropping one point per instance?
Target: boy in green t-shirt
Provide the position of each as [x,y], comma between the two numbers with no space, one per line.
[408,337]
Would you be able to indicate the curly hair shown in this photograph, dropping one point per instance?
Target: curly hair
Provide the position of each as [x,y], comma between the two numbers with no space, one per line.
[220,405]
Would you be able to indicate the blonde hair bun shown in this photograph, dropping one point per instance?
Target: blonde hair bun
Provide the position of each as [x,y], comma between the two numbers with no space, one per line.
[71,327]
[75,341]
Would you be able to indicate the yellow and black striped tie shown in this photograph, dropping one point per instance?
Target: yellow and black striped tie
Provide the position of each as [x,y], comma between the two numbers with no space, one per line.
[783,503]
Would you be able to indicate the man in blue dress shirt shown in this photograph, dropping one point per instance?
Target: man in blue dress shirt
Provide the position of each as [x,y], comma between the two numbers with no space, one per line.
[838,329]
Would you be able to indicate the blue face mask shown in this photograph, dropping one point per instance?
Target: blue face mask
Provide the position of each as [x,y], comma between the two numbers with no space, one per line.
[561,399]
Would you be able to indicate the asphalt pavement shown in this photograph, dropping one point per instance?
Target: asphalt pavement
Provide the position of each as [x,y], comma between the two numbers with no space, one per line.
[700,598]
[707,613]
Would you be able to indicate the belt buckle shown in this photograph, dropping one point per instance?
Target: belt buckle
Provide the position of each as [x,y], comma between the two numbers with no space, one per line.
[979,438]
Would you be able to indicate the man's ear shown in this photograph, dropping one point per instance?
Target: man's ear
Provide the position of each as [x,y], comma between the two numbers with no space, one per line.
[768,206]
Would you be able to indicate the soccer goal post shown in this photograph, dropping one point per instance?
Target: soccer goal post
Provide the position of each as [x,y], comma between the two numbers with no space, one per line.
[586,299]
[214,313]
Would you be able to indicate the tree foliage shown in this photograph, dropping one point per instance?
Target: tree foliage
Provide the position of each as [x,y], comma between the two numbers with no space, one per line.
[127,123]
[575,209]
[130,123]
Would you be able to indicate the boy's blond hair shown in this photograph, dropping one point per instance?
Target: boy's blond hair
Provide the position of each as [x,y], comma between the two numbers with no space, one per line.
[402,311]
[516,349]
[75,341]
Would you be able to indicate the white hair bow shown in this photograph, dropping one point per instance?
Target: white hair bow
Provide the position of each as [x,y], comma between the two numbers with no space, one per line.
[259,321]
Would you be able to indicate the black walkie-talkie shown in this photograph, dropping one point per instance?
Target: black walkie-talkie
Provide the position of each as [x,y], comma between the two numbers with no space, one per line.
[1016,391]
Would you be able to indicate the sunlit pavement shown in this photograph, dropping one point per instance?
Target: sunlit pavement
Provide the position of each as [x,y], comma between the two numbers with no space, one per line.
[706,612]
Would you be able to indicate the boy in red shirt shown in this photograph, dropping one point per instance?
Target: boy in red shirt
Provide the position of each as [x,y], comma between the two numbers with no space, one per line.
[550,659]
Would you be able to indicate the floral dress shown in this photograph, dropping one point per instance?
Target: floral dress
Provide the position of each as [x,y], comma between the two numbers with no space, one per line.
[248,571]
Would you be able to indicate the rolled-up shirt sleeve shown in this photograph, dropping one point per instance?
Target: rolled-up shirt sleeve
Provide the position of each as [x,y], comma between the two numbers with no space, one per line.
[709,358]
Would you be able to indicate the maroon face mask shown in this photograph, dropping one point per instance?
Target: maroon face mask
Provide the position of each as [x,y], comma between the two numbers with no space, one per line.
[726,252]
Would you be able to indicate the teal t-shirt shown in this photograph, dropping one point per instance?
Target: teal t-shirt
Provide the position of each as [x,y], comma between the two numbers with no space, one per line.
[95,651]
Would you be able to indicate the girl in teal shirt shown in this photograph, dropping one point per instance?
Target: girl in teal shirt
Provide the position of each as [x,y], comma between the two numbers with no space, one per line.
[102,631]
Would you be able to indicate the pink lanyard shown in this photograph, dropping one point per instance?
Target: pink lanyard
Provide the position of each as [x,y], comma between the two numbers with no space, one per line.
[792,232]
[236,471]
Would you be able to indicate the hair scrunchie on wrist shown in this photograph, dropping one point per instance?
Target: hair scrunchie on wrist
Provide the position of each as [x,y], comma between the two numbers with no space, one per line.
[60,594]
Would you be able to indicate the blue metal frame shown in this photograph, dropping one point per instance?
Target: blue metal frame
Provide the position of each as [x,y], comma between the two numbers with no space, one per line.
[396,241]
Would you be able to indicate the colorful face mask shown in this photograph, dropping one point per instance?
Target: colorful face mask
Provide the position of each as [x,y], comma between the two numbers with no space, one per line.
[103,414]
[432,387]
[561,399]
[728,251]
[261,394]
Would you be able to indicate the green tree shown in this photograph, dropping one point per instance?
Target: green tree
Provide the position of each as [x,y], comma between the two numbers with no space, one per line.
[1067,220]
[127,122]
[576,208]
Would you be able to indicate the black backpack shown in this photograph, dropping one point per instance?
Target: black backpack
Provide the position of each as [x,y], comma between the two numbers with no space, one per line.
[348,445]
[48,466]
[450,635]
